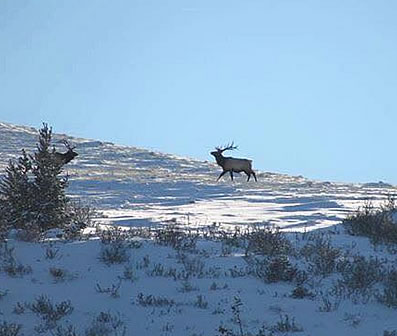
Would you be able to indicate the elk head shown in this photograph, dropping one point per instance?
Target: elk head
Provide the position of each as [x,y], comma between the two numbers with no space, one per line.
[65,158]
[219,150]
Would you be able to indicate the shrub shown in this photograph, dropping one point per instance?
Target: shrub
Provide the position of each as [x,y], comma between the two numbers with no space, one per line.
[301,292]
[65,331]
[114,253]
[376,224]
[361,274]
[272,269]
[153,301]
[9,329]
[323,257]
[389,293]
[107,324]
[48,312]
[175,237]
[10,264]
[286,325]
[267,241]
[112,291]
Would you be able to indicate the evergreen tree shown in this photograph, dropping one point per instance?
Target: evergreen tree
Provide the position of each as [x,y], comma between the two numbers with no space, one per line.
[16,193]
[49,187]
[32,192]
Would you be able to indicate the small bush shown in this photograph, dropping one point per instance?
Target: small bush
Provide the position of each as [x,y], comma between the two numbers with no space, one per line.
[172,235]
[113,291]
[9,329]
[48,312]
[286,325]
[65,331]
[376,224]
[107,324]
[193,266]
[129,273]
[301,292]
[200,302]
[360,274]
[51,252]
[153,301]
[322,256]
[9,263]
[389,293]
[59,274]
[272,269]
[115,253]
[268,241]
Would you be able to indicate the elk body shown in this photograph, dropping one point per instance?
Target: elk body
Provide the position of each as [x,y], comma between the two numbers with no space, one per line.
[64,158]
[232,165]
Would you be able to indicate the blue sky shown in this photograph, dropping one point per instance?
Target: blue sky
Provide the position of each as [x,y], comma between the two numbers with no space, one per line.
[303,87]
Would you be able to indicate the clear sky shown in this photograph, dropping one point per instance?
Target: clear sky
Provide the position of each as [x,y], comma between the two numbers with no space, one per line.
[303,87]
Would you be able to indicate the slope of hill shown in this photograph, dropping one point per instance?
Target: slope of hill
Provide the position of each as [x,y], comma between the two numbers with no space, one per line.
[135,186]
[316,280]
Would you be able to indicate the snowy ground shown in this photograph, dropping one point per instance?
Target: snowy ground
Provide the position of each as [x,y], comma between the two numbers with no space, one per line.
[138,188]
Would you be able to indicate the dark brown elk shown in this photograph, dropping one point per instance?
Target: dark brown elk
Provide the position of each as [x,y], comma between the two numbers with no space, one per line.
[64,158]
[232,165]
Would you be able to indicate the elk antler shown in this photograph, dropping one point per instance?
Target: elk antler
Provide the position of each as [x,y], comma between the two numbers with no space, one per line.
[67,144]
[227,147]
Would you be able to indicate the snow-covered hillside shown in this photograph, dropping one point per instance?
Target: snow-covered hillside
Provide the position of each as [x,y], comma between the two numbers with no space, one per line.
[135,186]
[217,284]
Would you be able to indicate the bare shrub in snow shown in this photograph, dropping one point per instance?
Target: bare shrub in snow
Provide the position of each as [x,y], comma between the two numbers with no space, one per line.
[51,252]
[390,333]
[361,274]
[200,302]
[50,313]
[321,255]
[177,238]
[376,224]
[115,253]
[19,308]
[65,331]
[9,263]
[107,324]
[267,241]
[186,287]
[301,292]
[129,273]
[9,329]
[329,303]
[194,266]
[286,325]
[272,269]
[153,301]
[113,291]
[388,295]
[60,274]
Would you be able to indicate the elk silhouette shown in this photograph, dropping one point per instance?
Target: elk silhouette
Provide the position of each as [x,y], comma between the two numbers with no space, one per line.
[232,165]
[64,158]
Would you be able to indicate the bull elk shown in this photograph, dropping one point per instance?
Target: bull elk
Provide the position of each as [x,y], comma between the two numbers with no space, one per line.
[232,165]
[64,158]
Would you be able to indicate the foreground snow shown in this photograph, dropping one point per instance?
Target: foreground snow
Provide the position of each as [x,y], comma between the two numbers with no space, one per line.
[151,293]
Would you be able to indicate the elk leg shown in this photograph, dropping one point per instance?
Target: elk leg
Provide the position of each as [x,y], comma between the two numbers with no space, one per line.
[254,177]
[231,175]
[223,173]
